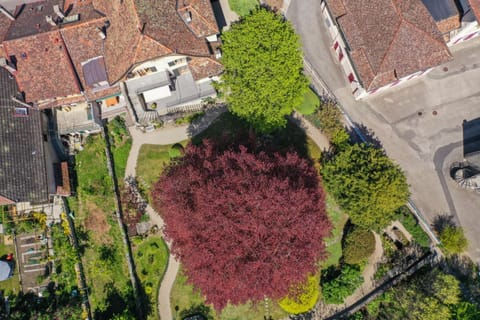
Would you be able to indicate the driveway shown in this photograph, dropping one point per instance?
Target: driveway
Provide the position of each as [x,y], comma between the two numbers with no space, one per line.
[419,123]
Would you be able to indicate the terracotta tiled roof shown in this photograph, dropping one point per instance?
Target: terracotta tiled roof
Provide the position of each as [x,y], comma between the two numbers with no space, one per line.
[390,37]
[60,101]
[44,67]
[204,67]
[83,43]
[336,7]
[31,18]
[475,4]
[161,21]
[4,26]
[123,36]
[110,91]
[148,49]
[202,20]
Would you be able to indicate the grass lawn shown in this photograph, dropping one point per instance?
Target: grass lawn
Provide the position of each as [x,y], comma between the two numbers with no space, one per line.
[310,103]
[334,242]
[121,142]
[11,285]
[242,7]
[152,159]
[103,257]
[186,298]
[151,259]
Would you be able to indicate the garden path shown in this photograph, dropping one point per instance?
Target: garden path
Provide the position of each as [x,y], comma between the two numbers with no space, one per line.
[165,136]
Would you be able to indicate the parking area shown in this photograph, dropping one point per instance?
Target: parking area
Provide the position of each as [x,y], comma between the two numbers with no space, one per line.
[32,260]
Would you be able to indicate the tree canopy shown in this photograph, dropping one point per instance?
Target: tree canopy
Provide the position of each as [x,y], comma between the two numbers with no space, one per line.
[245,225]
[263,62]
[366,184]
[453,239]
[358,246]
[428,295]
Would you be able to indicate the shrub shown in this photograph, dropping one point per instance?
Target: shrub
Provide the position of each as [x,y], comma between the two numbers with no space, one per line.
[359,244]
[366,184]
[336,289]
[302,297]
[453,240]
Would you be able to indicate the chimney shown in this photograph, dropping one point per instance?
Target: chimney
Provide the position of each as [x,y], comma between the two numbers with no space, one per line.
[58,12]
[7,13]
[50,20]
[10,68]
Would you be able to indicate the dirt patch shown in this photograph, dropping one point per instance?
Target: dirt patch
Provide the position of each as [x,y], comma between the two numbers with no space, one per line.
[97,223]
[276,5]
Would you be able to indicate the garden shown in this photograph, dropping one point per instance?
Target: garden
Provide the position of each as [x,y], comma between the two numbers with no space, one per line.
[151,259]
[102,246]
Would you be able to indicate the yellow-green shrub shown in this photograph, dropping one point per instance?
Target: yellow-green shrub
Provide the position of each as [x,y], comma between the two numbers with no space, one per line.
[302,297]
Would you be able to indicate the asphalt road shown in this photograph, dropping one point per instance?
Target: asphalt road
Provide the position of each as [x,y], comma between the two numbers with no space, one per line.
[422,141]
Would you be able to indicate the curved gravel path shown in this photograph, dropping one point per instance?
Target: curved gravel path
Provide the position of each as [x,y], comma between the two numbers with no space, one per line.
[164,136]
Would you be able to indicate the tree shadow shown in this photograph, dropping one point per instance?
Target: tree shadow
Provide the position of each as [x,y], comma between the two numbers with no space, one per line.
[442,221]
[229,131]
[367,136]
[116,303]
[199,310]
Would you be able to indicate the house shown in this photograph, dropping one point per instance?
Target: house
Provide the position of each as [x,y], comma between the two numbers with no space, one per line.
[381,43]
[26,160]
[77,53]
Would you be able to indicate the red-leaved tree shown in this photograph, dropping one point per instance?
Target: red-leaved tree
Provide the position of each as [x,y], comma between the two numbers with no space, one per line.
[244,225]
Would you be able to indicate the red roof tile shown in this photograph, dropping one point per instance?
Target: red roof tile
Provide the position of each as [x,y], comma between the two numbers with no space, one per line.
[204,67]
[148,49]
[203,21]
[84,43]
[43,65]
[4,26]
[390,37]
[161,21]
[122,36]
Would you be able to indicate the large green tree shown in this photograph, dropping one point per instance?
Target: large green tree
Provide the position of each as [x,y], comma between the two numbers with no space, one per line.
[366,183]
[263,62]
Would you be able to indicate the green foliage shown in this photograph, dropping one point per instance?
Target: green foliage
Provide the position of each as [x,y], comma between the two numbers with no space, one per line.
[466,311]
[366,184]
[302,297]
[263,79]
[151,259]
[65,258]
[310,103]
[120,144]
[190,118]
[358,246]
[453,240]
[242,7]
[336,289]
[428,295]
[328,118]
[411,224]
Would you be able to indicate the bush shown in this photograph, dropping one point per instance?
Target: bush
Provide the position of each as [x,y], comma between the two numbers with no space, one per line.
[328,118]
[453,240]
[411,224]
[336,289]
[303,297]
[359,244]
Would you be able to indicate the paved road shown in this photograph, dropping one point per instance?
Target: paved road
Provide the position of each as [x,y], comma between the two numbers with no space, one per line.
[424,145]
